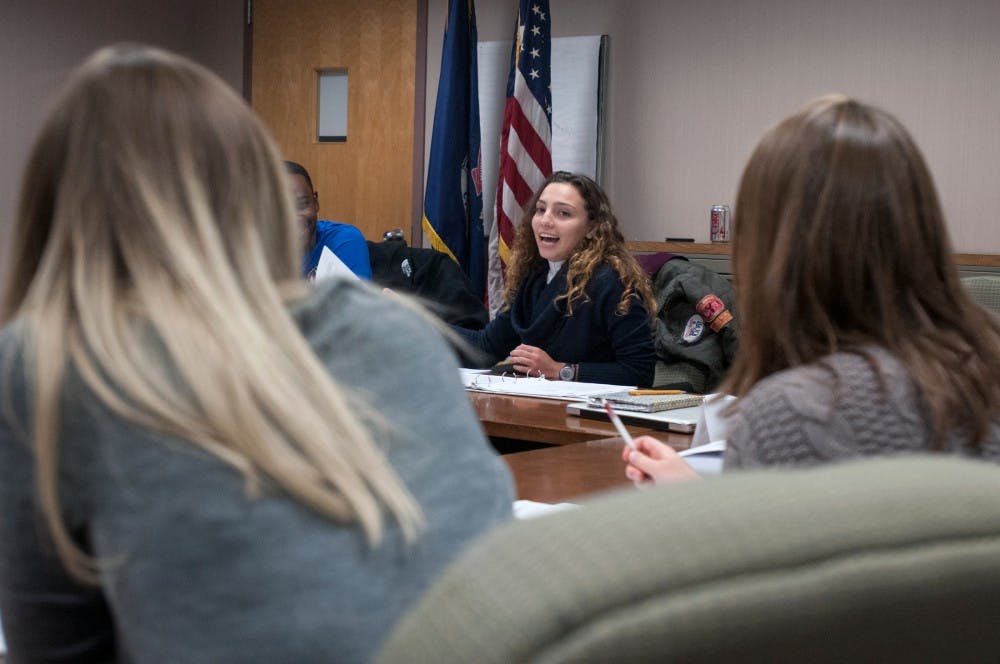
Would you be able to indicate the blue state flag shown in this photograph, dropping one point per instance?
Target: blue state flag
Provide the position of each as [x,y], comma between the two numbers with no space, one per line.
[453,200]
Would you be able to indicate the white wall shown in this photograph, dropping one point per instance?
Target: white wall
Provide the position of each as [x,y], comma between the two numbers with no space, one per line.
[693,84]
[41,41]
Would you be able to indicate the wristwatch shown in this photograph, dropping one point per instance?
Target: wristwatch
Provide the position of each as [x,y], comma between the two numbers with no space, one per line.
[568,372]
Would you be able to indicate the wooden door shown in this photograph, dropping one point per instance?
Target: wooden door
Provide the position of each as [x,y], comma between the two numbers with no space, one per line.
[367,181]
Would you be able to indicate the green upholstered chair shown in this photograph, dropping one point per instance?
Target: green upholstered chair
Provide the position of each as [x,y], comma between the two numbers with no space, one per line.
[888,560]
[985,290]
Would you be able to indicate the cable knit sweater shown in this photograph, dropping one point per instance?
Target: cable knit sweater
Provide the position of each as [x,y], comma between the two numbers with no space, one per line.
[836,408]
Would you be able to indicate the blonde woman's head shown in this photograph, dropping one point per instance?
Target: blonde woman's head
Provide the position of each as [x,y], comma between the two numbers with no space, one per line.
[155,248]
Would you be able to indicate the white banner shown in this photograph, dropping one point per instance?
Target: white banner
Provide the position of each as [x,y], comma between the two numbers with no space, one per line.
[575,77]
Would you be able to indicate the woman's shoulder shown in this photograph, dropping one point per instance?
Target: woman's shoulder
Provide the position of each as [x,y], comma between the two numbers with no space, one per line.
[605,278]
[12,350]
[346,306]
[328,228]
[356,330]
[849,364]
[12,335]
[814,388]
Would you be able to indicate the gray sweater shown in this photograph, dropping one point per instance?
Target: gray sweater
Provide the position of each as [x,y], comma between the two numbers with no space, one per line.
[836,409]
[208,575]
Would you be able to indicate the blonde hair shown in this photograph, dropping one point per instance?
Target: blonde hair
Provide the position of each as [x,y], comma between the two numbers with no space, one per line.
[603,245]
[154,251]
[840,242]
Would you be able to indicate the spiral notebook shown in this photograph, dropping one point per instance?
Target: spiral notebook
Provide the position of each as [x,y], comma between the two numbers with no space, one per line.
[648,403]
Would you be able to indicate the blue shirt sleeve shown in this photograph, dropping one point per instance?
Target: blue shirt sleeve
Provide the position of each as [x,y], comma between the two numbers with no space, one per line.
[346,242]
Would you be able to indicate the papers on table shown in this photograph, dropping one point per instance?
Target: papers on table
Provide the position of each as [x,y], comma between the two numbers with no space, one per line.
[648,403]
[712,425]
[483,381]
[707,448]
[709,440]
[331,266]
[529,509]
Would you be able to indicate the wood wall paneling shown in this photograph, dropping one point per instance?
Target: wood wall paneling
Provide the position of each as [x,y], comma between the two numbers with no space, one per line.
[368,180]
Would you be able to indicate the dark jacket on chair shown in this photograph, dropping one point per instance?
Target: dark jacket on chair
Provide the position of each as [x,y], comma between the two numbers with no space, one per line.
[684,337]
[431,275]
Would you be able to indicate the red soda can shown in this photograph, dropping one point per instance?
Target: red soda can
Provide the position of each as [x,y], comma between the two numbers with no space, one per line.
[721,224]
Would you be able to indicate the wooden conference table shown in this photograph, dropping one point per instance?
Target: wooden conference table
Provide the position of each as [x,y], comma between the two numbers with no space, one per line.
[536,420]
[583,457]
[567,473]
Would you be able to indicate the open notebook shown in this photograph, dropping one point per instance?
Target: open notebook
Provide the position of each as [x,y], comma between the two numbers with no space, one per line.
[647,403]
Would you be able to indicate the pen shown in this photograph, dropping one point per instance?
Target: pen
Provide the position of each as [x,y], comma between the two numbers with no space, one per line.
[641,393]
[613,416]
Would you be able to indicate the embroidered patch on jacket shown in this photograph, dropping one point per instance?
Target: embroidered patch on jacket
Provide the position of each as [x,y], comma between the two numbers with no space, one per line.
[693,329]
[721,321]
[709,307]
[405,267]
[713,311]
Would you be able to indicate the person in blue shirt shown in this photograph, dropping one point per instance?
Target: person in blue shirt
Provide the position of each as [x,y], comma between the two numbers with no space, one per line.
[344,240]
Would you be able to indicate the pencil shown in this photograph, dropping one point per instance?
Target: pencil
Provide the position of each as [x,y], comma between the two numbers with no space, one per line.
[613,416]
[642,393]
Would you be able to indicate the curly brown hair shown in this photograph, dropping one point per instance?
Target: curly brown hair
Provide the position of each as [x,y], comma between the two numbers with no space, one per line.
[604,244]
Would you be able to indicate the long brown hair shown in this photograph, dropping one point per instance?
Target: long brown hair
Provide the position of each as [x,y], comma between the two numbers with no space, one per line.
[155,203]
[840,242]
[603,245]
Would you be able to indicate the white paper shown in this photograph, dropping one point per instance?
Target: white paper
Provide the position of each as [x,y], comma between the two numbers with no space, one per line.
[709,440]
[529,509]
[331,266]
[534,386]
[706,464]
[714,447]
[712,425]
[576,69]
[705,459]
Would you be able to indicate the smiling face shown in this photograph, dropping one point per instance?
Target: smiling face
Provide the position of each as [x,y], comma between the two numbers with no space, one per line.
[560,221]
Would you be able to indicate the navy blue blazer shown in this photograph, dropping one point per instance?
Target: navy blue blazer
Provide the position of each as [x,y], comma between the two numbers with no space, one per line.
[609,347]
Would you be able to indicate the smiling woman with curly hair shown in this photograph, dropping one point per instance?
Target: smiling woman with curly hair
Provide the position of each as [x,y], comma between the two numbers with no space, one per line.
[576,303]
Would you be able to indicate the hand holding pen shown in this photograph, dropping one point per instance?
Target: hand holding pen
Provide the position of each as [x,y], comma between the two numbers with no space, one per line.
[648,460]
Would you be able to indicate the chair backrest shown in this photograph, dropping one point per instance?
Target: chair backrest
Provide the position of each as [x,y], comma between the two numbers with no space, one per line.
[985,290]
[887,560]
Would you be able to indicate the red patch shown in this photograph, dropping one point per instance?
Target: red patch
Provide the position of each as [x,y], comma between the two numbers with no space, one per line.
[713,311]
[709,307]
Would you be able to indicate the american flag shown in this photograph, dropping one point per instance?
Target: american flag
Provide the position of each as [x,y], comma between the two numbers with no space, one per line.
[526,136]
